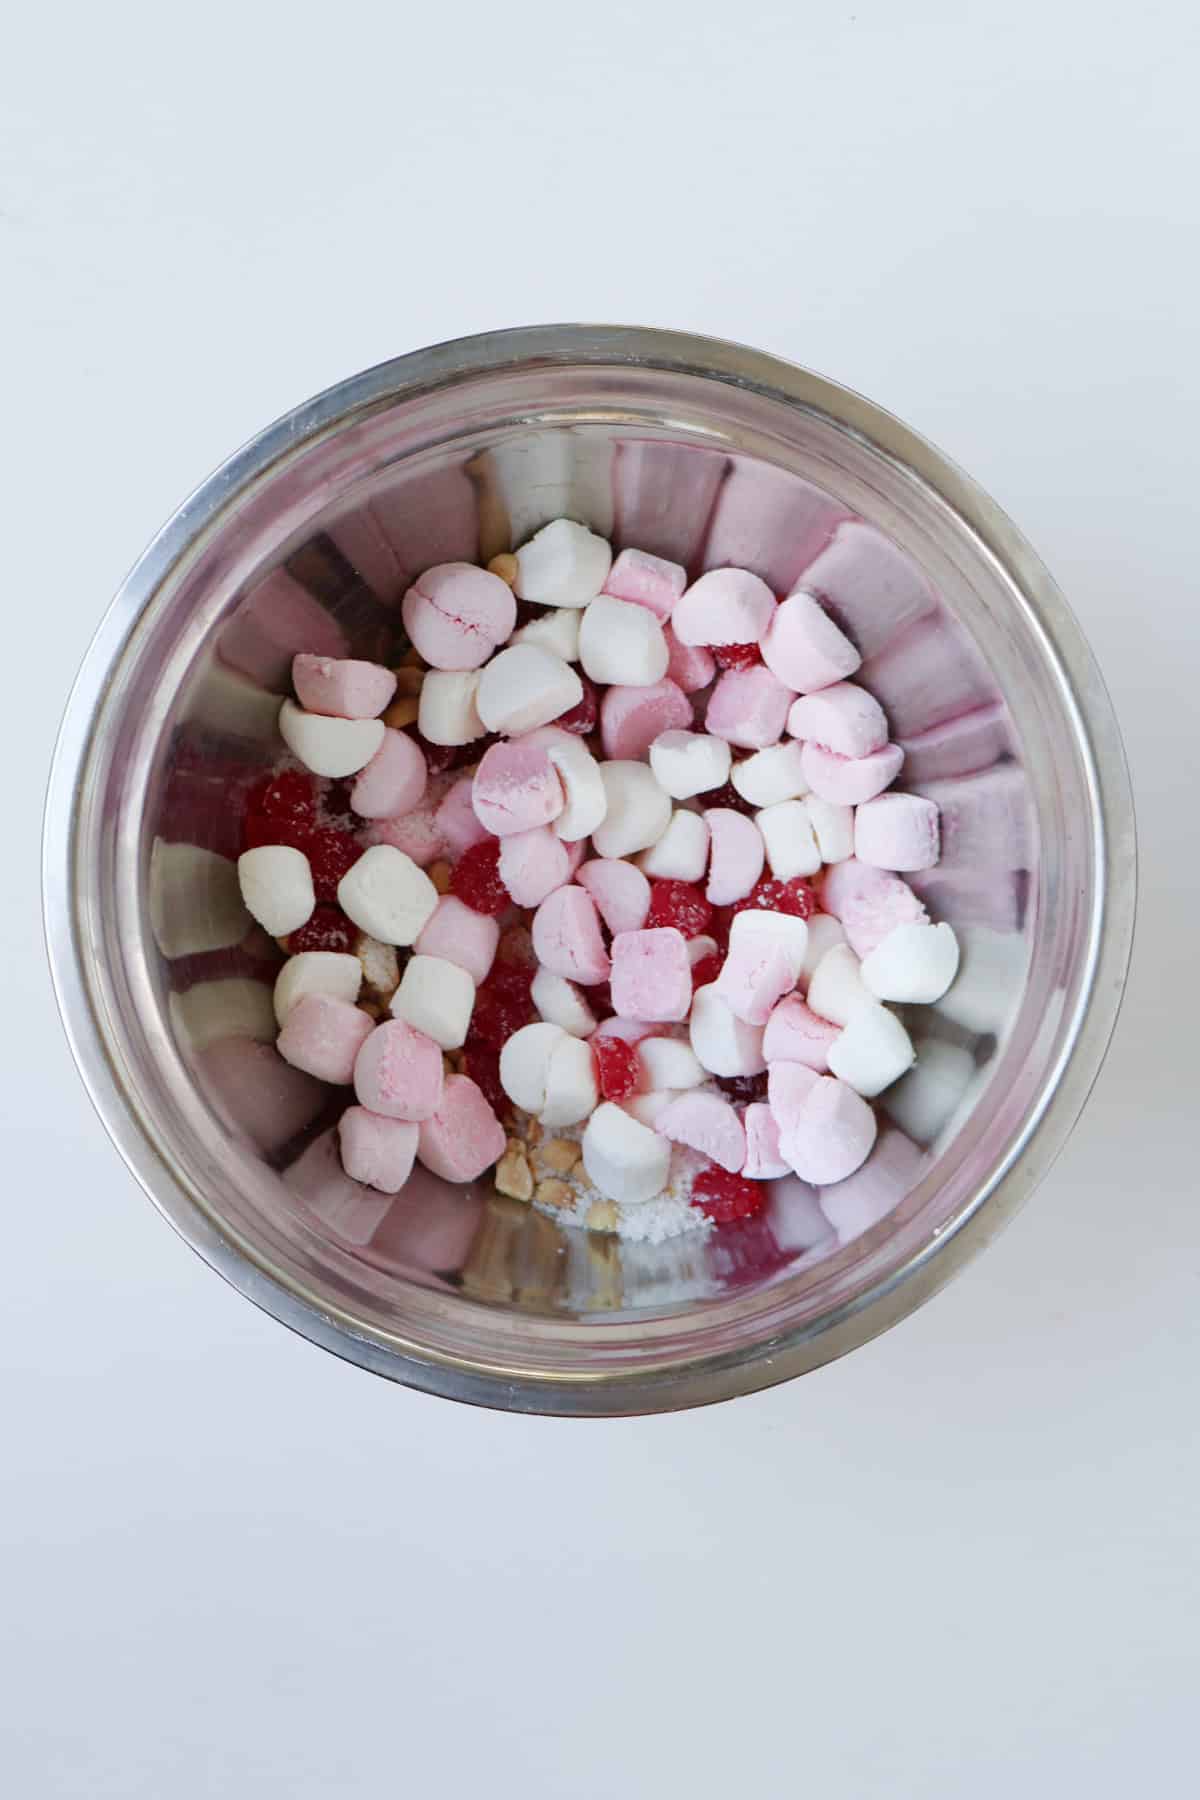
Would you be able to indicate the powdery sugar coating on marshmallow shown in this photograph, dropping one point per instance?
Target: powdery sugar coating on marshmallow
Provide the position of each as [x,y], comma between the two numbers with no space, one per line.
[620,889]
[844,717]
[849,780]
[831,1133]
[804,647]
[795,1033]
[651,975]
[870,903]
[726,606]
[707,1123]
[462,1136]
[323,1036]
[457,821]
[532,864]
[398,1072]
[341,687]
[897,831]
[516,788]
[749,708]
[649,581]
[631,718]
[566,937]
[736,855]
[393,782]
[755,975]
[378,1152]
[461,935]
[524,687]
[456,615]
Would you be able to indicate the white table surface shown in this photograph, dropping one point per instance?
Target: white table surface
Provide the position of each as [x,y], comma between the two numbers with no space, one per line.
[961,1563]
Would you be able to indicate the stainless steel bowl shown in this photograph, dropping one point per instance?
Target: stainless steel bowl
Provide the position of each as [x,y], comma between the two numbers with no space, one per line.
[709,453]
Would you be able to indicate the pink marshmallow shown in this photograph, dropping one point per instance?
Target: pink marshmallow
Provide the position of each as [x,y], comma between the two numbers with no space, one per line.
[707,1123]
[689,666]
[620,890]
[393,782]
[651,974]
[897,831]
[871,588]
[463,1136]
[795,1034]
[575,855]
[962,746]
[726,606]
[516,788]
[323,1036]
[748,707]
[649,581]
[804,647]
[376,1151]
[416,833]
[843,717]
[456,819]
[630,1031]
[849,780]
[788,1087]
[566,937]
[532,864]
[764,1160]
[340,687]
[632,717]
[869,903]
[459,934]
[398,1072]
[829,1134]
[456,615]
[736,855]
[754,976]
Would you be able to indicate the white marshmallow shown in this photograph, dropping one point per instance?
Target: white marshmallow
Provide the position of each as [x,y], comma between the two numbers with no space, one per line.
[195,901]
[624,1159]
[832,827]
[835,989]
[332,972]
[563,564]
[525,1061]
[561,1002]
[788,836]
[873,1051]
[669,1063]
[681,853]
[648,1109]
[571,1091]
[781,930]
[233,1006]
[915,963]
[436,997]
[686,763]
[638,811]
[623,643]
[387,895]
[277,886]
[447,712]
[928,1096]
[333,747]
[723,1044]
[556,631]
[700,947]
[524,687]
[586,799]
[770,775]
[824,931]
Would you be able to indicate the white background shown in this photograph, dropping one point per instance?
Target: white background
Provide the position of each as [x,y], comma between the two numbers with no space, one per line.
[961,1563]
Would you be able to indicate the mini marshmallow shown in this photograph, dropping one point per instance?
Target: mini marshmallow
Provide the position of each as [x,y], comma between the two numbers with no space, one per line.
[620,890]
[687,763]
[327,746]
[836,990]
[787,835]
[849,780]
[914,963]
[393,782]
[437,997]
[524,687]
[824,932]
[560,1002]
[556,631]
[323,1036]
[795,1033]
[689,666]
[456,819]
[723,1043]
[585,801]
[387,895]
[630,1031]
[681,853]
[804,647]
[764,1161]
[897,831]
[782,931]
[873,1051]
[340,687]
[277,887]
[462,1137]
[563,564]
[651,976]
[632,718]
[195,901]
[378,1152]
[736,857]
[788,1087]
[649,1108]
[620,641]
[461,935]
[331,972]
[416,834]
[748,707]
[844,717]
[525,1064]
[770,775]
[447,712]
[869,902]
[571,1091]
[726,606]
[832,827]
[669,1063]
[398,1072]
[566,937]
[532,864]
[625,1160]
[757,972]
[456,615]
[638,810]
[832,1133]
[516,788]
[707,1123]
[649,581]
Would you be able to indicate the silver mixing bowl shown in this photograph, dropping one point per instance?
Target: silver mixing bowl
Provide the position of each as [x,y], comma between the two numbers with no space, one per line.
[708,453]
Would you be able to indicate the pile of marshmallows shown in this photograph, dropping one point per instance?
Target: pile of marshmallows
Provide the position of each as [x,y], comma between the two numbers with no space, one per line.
[583,837]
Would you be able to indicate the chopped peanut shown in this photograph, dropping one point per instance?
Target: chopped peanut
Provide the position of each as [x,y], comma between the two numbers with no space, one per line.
[602,1216]
[513,1177]
[554,1193]
[402,712]
[560,1154]
[439,873]
[505,566]
[409,681]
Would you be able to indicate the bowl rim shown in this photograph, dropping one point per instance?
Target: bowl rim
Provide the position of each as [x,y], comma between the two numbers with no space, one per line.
[756,1364]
